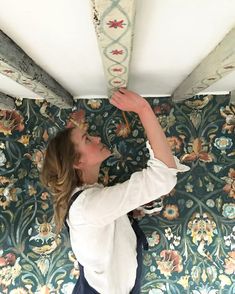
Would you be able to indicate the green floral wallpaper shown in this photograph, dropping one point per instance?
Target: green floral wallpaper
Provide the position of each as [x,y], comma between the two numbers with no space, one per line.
[192,231]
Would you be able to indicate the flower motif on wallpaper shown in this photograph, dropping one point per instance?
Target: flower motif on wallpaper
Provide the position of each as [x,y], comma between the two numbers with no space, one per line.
[116,24]
[229,210]
[8,193]
[163,109]
[170,262]
[165,115]
[174,239]
[175,143]
[77,119]
[183,281]
[204,273]
[171,212]
[24,139]
[43,263]
[94,103]
[229,266]
[230,183]
[202,229]
[122,130]
[223,144]
[10,269]
[10,121]
[45,233]
[36,157]
[230,239]
[198,149]
[228,113]
[154,239]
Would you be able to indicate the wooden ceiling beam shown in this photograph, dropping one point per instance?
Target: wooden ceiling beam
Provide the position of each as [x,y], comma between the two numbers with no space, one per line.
[6,102]
[114,26]
[215,66]
[17,65]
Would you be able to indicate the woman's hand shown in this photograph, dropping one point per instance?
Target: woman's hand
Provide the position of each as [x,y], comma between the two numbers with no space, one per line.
[131,101]
[128,101]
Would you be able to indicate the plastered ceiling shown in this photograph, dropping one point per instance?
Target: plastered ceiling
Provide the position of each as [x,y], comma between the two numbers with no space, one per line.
[170,38]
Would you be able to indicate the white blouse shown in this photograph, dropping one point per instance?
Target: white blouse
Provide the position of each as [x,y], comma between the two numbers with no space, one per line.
[101,235]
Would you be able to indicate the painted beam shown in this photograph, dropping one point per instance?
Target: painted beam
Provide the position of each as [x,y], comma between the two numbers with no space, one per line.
[114,26]
[17,65]
[6,102]
[215,66]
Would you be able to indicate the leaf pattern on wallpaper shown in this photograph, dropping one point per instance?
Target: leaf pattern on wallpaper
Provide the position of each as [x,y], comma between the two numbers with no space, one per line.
[191,234]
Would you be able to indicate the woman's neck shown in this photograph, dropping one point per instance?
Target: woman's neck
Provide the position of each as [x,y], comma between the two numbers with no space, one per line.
[91,175]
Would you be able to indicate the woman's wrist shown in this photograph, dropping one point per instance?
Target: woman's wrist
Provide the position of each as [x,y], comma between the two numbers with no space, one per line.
[145,108]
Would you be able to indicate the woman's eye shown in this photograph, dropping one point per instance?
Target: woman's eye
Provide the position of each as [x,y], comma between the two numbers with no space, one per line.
[88,139]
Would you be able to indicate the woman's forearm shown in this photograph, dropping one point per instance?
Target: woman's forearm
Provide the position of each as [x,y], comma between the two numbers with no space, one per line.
[156,136]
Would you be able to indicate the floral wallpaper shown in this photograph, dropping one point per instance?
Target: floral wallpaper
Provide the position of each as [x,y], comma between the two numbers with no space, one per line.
[192,230]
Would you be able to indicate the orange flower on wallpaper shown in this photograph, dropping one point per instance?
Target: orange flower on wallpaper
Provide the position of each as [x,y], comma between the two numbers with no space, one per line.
[122,130]
[198,147]
[230,263]
[24,139]
[171,262]
[230,180]
[36,157]
[171,211]
[77,119]
[175,143]
[10,121]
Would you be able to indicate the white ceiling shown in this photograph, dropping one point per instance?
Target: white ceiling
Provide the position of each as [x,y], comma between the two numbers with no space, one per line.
[171,38]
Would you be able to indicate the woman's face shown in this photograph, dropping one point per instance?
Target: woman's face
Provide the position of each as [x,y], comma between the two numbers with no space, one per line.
[92,151]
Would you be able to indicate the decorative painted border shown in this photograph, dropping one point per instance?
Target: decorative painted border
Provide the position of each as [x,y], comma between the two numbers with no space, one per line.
[114,23]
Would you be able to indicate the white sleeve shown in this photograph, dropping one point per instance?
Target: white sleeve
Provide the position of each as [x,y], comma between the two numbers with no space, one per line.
[102,205]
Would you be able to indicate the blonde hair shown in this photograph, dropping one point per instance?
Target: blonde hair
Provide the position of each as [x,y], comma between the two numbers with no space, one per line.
[58,174]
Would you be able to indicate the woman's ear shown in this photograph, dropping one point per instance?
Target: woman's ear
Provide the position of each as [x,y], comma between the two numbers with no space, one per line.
[79,164]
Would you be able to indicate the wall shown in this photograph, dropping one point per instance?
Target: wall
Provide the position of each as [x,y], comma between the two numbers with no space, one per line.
[191,238]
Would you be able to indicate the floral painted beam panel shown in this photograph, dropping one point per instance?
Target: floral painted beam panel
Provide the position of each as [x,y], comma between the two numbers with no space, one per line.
[114,24]
[17,65]
[219,62]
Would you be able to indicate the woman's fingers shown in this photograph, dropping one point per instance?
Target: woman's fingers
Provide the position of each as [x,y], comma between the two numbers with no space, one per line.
[114,101]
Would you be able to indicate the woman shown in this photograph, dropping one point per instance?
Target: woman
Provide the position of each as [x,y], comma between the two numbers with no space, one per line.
[106,245]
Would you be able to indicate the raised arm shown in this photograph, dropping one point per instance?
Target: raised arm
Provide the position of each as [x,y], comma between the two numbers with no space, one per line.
[130,101]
